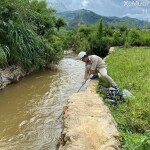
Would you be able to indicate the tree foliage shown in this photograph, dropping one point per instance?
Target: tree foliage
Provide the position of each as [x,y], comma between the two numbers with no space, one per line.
[60,23]
[26,31]
[100,30]
[96,39]
[90,39]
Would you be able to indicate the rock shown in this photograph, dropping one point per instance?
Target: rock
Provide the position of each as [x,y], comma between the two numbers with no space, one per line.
[12,74]
[88,124]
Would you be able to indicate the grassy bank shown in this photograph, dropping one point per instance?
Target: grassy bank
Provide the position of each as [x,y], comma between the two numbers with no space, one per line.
[130,68]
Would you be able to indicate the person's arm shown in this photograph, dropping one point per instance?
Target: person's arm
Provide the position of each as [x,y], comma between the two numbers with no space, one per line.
[86,73]
[93,67]
[91,72]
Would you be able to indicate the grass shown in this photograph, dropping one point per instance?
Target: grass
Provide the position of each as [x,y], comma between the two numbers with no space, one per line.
[130,68]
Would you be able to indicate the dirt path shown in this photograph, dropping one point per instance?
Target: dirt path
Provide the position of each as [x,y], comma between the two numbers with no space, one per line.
[88,124]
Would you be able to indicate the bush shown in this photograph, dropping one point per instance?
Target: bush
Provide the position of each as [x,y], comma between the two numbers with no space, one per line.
[117,38]
[100,47]
[98,43]
[134,38]
[146,41]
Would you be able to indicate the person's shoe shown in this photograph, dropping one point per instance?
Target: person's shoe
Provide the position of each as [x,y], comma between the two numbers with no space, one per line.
[94,77]
[117,88]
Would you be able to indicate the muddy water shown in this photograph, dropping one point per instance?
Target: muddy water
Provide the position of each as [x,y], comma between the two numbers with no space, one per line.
[30,108]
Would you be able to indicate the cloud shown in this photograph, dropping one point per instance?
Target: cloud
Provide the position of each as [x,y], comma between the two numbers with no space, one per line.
[85,3]
[104,7]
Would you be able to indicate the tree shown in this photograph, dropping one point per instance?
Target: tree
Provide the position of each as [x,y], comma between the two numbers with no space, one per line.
[60,23]
[100,30]
[86,30]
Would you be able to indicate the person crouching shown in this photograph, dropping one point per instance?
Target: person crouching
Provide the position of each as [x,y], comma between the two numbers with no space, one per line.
[95,63]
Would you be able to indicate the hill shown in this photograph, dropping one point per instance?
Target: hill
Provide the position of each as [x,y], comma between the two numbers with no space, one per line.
[82,16]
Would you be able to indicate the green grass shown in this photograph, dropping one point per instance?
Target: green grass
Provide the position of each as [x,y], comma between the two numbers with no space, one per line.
[130,68]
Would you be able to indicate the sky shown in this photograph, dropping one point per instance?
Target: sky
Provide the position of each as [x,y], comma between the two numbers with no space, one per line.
[139,9]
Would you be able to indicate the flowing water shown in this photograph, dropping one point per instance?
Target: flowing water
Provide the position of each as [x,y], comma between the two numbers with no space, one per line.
[29,110]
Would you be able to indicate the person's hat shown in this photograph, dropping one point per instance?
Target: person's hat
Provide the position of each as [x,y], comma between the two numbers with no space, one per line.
[82,54]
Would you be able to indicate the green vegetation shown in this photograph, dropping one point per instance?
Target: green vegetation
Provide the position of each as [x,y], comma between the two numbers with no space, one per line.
[60,23]
[96,39]
[28,35]
[130,69]
[31,36]
[90,39]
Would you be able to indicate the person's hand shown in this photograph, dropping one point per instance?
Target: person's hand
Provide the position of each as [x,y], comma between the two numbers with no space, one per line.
[91,76]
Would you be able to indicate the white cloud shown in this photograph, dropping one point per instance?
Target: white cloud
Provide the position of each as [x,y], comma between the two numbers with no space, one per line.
[85,3]
[102,7]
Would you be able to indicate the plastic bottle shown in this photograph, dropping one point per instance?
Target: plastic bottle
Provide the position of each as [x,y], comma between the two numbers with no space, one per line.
[126,93]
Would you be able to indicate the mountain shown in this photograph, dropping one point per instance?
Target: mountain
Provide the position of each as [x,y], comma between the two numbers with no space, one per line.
[82,16]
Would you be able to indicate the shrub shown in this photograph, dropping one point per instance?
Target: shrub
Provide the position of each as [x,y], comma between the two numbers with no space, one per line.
[100,47]
[4,54]
[117,38]
[134,38]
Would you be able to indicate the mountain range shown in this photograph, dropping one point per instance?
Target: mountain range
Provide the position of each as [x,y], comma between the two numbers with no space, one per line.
[83,16]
